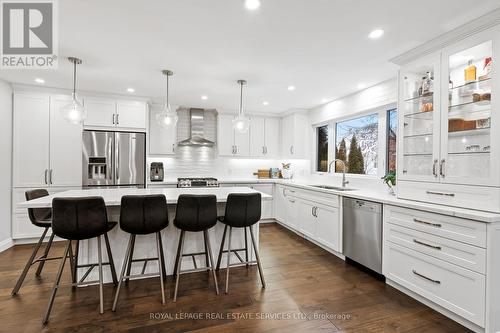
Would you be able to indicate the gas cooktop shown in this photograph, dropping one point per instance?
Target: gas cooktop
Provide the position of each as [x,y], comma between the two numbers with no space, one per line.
[197,182]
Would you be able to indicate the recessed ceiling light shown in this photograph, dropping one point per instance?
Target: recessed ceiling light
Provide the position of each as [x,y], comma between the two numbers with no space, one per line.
[265,103]
[130,90]
[204,97]
[291,88]
[377,33]
[252,4]
[361,86]
[39,80]
[324,100]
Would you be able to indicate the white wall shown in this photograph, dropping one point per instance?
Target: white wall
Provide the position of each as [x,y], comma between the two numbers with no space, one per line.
[5,164]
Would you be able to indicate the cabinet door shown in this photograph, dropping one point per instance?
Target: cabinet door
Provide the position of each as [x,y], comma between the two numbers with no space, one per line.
[31,140]
[225,133]
[301,130]
[328,226]
[242,143]
[307,221]
[418,151]
[470,140]
[257,137]
[65,146]
[287,137]
[279,203]
[100,112]
[131,114]
[272,137]
[291,212]
[162,141]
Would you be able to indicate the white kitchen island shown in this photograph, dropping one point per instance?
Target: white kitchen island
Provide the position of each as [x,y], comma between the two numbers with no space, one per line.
[145,246]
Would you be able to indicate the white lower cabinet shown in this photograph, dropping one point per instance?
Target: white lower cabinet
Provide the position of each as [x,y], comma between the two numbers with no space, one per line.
[328,231]
[307,221]
[267,209]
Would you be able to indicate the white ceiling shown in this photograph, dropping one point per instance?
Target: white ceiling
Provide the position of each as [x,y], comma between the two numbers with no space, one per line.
[319,46]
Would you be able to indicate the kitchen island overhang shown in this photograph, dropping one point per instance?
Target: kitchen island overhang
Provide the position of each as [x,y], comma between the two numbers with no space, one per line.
[145,245]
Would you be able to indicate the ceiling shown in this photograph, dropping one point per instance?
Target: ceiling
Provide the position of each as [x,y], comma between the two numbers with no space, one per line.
[319,46]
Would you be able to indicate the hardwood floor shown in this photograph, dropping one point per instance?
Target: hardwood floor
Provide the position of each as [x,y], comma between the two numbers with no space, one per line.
[312,291]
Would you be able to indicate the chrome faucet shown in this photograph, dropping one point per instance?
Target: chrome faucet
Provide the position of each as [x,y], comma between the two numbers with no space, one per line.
[344,182]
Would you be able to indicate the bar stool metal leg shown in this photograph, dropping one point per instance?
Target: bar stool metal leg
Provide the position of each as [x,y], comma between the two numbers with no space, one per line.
[207,263]
[228,258]
[28,264]
[177,256]
[99,254]
[210,256]
[56,284]
[131,255]
[110,260]
[160,267]
[259,265]
[162,257]
[178,263]
[122,274]
[221,248]
[45,255]
[246,246]
[75,266]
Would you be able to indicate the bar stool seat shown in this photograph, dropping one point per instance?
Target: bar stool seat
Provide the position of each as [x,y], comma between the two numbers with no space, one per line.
[195,213]
[76,219]
[243,210]
[143,215]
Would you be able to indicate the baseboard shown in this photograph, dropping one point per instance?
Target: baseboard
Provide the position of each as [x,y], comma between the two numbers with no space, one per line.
[6,244]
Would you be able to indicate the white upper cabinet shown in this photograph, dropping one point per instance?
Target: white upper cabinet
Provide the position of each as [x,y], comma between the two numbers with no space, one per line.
[295,134]
[162,141]
[264,137]
[31,140]
[109,113]
[47,148]
[65,146]
[231,142]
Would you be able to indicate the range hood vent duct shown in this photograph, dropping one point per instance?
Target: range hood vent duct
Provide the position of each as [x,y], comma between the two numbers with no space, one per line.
[197,128]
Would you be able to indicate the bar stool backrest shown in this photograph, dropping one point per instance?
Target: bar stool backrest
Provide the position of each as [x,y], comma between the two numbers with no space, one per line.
[143,214]
[37,215]
[242,209]
[196,212]
[79,218]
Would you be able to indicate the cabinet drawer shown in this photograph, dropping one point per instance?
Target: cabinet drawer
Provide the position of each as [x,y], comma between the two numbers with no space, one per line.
[458,229]
[457,289]
[318,197]
[464,255]
[473,197]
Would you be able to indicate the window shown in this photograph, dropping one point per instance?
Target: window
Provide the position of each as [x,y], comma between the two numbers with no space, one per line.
[322,146]
[392,125]
[356,143]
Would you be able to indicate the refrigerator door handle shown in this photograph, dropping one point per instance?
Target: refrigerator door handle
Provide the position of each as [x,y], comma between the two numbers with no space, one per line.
[117,158]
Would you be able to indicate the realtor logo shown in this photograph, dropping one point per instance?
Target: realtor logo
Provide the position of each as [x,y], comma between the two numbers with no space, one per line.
[28,34]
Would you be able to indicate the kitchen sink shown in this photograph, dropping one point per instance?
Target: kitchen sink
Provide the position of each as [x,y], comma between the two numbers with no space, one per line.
[336,188]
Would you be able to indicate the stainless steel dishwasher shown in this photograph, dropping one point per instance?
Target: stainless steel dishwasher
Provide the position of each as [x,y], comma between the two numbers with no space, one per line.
[362,232]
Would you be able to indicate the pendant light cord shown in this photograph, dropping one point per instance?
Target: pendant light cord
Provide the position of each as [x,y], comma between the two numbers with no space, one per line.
[74,78]
[167,91]
[241,98]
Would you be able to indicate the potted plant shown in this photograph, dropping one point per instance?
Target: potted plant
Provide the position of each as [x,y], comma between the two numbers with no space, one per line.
[390,180]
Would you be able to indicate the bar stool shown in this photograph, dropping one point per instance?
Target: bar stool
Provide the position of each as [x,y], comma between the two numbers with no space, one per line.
[143,215]
[76,219]
[242,211]
[40,217]
[195,213]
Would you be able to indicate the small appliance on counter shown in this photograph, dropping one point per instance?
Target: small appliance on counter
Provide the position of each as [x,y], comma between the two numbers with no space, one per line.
[156,172]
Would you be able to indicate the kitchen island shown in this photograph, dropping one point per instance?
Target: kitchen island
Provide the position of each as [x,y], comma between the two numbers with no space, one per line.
[145,246]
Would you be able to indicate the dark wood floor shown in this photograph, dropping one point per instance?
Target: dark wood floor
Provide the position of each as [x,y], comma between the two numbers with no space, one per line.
[314,290]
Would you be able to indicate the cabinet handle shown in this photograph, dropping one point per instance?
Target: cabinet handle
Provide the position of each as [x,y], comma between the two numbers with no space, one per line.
[46,176]
[118,119]
[284,194]
[292,201]
[441,167]
[291,150]
[425,277]
[425,244]
[312,211]
[292,191]
[265,150]
[315,211]
[173,147]
[441,193]
[50,176]
[236,149]
[434,168]
[436,225]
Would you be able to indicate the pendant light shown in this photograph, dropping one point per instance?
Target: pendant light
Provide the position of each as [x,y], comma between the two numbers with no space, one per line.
[242,122]
[74,112]
[167,118]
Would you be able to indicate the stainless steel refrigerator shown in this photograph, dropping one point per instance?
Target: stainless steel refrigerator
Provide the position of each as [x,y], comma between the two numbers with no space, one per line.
[113,159]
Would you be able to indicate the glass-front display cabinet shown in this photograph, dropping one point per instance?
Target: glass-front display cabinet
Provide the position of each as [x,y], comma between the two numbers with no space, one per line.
[419,119]
[470,139]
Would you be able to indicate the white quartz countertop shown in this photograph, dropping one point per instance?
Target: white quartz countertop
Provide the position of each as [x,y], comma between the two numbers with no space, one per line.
[112,197]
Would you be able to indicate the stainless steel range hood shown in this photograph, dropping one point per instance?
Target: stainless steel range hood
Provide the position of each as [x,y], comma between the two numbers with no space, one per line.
[197,128]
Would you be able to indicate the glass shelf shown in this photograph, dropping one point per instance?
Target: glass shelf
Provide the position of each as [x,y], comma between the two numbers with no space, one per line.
[417,135]
[477,131]
[418,99]
[469,152]
[471,86]
[419,113]
[478,103]
[417,154]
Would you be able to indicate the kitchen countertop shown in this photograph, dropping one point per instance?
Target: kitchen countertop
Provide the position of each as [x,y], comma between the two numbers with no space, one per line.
[112,197]
[364,194]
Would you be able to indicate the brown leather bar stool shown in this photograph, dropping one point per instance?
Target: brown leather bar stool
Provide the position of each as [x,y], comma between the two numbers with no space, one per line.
[76,219]
[42,218]
[143,215]
[195,213]
[242,211]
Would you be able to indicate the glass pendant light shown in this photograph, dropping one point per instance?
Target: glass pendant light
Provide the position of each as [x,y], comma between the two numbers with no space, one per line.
[74,112]
[167,118]
[242,122]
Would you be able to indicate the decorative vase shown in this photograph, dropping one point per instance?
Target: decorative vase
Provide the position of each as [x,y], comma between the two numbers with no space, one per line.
[392,189]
